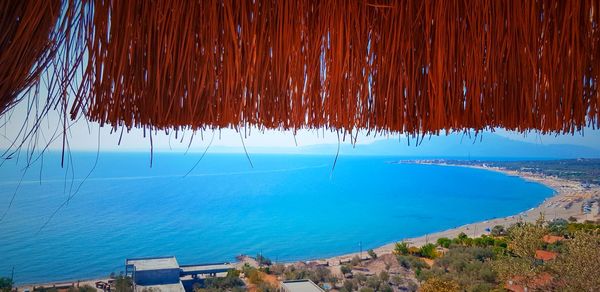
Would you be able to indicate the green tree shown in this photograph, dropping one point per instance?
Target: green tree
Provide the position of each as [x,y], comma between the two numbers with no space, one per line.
[498,230]
[578,267]
[524,239]
[345,269]
[444,242]
[6,284]
[558,226]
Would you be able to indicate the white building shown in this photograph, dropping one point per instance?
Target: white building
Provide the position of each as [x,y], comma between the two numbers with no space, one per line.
[300,286]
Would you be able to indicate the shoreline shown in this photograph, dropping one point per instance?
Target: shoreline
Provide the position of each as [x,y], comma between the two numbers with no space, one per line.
[566,201]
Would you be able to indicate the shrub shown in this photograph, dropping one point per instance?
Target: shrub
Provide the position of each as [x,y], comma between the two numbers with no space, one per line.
[348,285]
[444,242]
[265,287]
[558,226]
[225,283]
[253,275]
[498,230]
[384,276]
[468,266]
[397,280]
[123,284]
[428,251]
[233,273]
[360,277]
[385,288]
[321,274]
[411,262]
[6,284]
[401,248]
[435,284]
[373,282]
[345,269]
[372,254]
[277,269]
[262,260]
[578,266]
[355,261]
[413,250]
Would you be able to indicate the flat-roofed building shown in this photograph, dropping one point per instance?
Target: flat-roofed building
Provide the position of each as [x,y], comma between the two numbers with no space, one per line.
[300,286]
[158,273]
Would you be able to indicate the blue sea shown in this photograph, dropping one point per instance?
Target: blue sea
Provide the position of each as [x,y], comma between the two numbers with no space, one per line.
[287,207]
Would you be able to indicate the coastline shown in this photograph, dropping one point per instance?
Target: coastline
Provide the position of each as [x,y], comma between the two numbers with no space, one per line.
[566,193]
[566,201]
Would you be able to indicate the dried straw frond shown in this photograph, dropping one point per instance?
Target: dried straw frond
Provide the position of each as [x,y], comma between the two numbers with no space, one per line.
[411,67]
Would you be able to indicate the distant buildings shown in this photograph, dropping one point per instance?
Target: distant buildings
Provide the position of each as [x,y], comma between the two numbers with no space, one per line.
[550,239]
[545,255]
[165,274]
[538,283]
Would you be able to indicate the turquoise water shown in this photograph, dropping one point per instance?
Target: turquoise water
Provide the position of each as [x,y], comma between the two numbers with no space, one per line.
[287,207]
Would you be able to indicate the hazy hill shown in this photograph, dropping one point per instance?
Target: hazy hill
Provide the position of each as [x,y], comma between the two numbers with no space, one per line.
[486,145]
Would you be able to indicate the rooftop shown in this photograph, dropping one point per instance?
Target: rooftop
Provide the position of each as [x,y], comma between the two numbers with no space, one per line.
[545,255]
[301,286]
[552,238]
[157,263]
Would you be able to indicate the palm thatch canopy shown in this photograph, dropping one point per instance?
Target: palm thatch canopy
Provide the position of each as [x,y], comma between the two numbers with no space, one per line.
[390,66]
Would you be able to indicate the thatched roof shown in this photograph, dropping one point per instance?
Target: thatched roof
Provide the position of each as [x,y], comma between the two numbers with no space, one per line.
[394,66]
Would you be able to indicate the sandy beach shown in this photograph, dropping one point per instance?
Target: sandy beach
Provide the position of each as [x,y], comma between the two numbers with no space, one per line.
[566,202]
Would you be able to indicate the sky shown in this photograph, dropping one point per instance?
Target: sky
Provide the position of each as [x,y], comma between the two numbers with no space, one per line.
[84,136]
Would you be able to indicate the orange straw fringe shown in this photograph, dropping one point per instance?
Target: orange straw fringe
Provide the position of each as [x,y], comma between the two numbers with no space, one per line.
[411,67]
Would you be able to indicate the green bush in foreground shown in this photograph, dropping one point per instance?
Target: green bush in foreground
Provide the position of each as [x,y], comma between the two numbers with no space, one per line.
[439,285]
[6,284]
[428,251]
[401,248]
[444,242]
[411,262]
[123,284]
[345,269]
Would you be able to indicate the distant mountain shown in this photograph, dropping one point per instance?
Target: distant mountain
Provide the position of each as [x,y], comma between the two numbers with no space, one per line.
[486,145]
